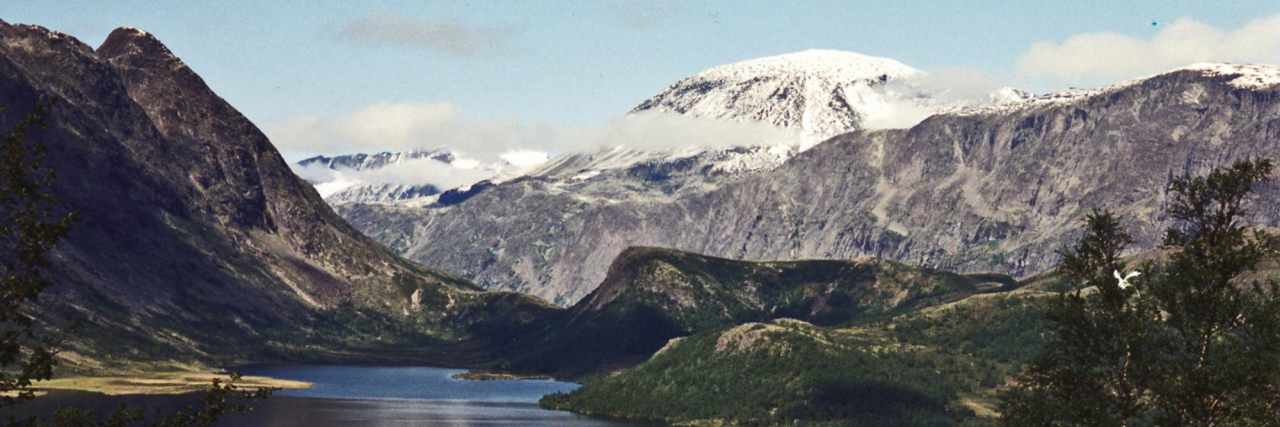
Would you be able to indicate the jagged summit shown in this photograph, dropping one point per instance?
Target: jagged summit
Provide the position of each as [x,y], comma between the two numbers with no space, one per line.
[18,35]
[823,63]
[132,29]
[135,42]
[820,93]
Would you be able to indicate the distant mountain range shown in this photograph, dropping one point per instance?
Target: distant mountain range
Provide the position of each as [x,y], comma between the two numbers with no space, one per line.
[980,187]
[814,94]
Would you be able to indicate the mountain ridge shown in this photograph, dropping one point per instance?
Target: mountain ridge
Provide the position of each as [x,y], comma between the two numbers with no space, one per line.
[196,243]
[657,294]
[986,189]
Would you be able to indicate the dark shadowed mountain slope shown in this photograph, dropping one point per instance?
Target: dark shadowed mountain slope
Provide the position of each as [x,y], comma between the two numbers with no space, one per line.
[195,240]
[652,295]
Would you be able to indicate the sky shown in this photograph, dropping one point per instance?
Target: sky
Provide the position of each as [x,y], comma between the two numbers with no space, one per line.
[498,69]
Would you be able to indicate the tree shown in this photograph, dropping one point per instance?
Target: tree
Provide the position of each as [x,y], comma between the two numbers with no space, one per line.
[29,229]
[1195,341]
[31,225]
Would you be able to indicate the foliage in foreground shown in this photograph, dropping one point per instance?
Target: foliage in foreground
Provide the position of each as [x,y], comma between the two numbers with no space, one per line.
[222,398]
[1194,341]
[31,225]
[29,228]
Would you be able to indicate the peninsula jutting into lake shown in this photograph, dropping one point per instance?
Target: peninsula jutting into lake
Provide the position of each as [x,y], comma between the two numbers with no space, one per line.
[639,213]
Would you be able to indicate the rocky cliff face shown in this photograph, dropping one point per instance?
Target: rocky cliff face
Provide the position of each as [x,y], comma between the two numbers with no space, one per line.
[194,236]
[981,189]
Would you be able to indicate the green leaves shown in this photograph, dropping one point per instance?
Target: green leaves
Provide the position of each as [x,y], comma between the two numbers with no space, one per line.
[1193,342]
[30,226]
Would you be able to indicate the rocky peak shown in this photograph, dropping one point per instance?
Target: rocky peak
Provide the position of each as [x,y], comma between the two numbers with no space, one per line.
[15,34]
[135,42]
[821,93]
[217,148]
[190,221]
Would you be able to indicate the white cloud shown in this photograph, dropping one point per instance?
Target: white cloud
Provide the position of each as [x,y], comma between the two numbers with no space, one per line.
[668,131]
[373,128]
[1090,58]
[899,114]
[400,127]
[958,84]
[906,102]
[485,146]
[448,37]
[524,158]
[411,172]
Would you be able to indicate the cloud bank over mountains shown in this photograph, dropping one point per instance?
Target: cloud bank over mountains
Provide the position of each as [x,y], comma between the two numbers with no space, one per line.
[484,146]
[409,126]
[1103,57]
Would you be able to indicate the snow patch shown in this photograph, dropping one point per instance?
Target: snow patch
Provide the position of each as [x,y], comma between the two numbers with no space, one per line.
[136,30]
[1248,76]
[820,63]
[821,93]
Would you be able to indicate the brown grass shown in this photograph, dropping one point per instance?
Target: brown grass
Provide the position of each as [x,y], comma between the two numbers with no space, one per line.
[161,383]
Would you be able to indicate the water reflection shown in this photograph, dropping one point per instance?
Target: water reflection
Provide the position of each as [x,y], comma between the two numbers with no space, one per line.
[359,396]
[419,383]
[405,396]
[292,411]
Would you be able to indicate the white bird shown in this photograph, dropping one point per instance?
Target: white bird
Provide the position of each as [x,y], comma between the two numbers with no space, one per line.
[1124,280]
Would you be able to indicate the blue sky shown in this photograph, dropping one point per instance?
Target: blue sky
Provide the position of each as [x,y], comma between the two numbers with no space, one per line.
[580,63]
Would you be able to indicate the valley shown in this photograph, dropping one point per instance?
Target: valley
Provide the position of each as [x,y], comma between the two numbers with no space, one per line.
[858,271]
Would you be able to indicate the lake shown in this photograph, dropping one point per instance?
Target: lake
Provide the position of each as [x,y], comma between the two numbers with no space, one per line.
[405,396]
[371,396]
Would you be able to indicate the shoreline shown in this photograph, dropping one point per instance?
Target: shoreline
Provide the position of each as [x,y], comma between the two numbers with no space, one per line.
[161,383]
[500,376]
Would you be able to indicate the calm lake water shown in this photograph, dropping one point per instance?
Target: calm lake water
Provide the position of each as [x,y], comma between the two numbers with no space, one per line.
[405,396]
[373,396]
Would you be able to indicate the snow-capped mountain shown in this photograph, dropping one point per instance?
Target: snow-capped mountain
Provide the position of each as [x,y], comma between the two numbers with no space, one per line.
[822,93]
[412,177]
[619,174]
[337,178]
[811,95]
[362,161]
[1001,190]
